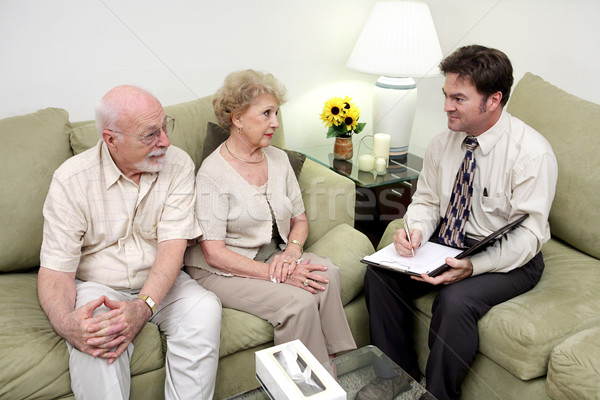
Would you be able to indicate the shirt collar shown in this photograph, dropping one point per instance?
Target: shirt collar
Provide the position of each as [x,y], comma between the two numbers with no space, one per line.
[488,139]
[112,173]
[110,170]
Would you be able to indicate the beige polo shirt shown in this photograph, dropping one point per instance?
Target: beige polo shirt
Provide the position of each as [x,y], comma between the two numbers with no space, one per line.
[106,228]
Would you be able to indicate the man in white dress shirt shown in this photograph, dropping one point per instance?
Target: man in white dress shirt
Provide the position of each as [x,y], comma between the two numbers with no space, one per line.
[515,173]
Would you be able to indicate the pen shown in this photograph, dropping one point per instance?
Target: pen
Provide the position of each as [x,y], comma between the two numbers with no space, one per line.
[408,236]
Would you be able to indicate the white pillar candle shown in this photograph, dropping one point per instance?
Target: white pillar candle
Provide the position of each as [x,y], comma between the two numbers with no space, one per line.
[366,162]
[381,145]
[381,165]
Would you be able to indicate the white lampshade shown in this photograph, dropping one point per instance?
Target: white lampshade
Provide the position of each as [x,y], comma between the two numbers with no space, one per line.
[399,42]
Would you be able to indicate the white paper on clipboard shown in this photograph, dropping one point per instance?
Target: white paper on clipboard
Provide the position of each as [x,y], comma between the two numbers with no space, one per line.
[427,258]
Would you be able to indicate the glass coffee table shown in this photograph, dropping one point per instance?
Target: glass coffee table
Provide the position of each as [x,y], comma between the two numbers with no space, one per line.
[358,368]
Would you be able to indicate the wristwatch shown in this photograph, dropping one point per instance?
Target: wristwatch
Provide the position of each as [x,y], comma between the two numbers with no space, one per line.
[149,302]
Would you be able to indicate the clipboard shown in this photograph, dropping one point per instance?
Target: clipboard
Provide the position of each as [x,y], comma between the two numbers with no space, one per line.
[403,264]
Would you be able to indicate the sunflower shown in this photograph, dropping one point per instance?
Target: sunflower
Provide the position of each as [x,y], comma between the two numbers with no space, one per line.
[351,118]
[341,115]
[333,112]
[348,104]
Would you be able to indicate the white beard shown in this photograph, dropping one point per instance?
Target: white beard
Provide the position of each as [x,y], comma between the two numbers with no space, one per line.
[149,165]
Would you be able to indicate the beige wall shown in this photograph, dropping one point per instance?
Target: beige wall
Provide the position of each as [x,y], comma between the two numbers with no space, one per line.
[67,53]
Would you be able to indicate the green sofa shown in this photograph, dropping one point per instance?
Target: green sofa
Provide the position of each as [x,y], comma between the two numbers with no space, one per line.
[34,359]
[546,342]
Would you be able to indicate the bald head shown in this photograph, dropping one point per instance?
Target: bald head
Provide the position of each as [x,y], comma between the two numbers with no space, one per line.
[121,105]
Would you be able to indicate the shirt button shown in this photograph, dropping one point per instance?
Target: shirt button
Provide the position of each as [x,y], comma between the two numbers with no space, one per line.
[131,249]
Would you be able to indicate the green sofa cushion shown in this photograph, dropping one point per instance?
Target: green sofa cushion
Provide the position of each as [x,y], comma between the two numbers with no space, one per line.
[190,125]
[574,372]
[36,145]
[519,334]
[240,331]
[345,247]
[571,126]
[37,356]
[328,199]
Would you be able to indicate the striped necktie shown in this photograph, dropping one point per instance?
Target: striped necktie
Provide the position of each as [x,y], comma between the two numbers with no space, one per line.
[452,230]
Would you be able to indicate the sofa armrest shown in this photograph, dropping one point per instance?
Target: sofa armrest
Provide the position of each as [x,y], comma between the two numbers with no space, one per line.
[390,231]
[328,197]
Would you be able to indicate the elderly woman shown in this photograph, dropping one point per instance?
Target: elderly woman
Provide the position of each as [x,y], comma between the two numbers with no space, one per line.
[251,212]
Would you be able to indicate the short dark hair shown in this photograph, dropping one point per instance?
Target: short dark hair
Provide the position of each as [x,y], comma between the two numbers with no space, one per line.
[489,70]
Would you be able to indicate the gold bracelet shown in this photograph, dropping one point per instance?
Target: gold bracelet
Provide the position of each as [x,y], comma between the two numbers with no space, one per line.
[299,244]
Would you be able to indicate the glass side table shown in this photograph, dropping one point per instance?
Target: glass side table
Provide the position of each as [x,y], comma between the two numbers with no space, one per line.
[357,369]
[399,170]
[380,199]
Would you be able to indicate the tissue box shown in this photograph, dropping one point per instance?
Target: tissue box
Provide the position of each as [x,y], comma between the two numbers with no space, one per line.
[272,373]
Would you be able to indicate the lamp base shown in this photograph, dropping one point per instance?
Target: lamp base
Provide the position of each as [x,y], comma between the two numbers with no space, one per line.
[394,106]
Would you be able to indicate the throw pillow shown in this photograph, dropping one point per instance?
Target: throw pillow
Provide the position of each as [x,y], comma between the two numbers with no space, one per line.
[34,146]
[215,135]
[83,136]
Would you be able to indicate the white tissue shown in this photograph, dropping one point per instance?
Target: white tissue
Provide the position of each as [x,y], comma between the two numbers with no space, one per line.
[287,357]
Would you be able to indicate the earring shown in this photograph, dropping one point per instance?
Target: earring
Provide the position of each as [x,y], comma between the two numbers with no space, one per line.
[239,131]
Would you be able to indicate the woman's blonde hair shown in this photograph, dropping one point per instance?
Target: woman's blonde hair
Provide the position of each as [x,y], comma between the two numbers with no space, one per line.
[239,91]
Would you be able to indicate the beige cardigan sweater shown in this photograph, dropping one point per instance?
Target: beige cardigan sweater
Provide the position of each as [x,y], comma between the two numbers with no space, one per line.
[228,208]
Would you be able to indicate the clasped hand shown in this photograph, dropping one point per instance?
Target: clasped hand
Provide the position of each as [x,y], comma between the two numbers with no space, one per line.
[459,269]
[284,264]
[107,334]
[297,272]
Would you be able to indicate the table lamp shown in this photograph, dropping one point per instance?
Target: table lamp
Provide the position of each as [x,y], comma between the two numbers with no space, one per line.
[398,42]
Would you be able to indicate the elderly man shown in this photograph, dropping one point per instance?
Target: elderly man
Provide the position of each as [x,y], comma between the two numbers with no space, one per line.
[486,170]
[117,220]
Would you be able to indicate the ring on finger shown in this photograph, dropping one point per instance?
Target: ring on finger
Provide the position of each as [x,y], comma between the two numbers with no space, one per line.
[286,261]
[306,282]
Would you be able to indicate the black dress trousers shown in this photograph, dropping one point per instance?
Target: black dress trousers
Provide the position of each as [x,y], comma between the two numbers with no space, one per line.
[453,335]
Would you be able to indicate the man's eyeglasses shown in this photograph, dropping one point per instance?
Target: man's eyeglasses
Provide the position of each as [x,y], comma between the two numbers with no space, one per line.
[152,137]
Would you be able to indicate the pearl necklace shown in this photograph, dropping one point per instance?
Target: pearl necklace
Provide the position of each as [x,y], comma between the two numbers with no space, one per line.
[246,161]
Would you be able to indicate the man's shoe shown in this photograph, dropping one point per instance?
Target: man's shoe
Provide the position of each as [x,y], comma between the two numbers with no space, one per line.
[384,388]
